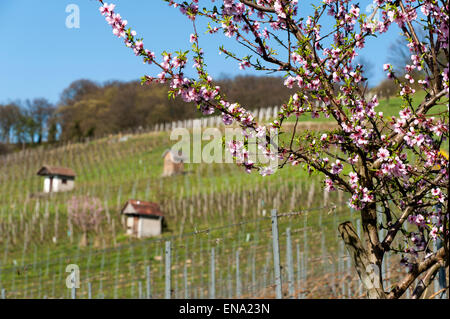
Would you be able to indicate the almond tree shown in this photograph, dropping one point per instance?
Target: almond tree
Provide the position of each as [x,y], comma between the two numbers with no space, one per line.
[86,213]
[392,164]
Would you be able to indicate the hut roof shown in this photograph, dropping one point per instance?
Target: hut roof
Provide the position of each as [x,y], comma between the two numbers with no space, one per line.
[53,170]
[176,156]
[142,208]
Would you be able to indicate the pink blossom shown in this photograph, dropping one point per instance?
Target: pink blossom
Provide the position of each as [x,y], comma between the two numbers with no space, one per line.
[353,179]
[336,167]
[107,9]
[289,82]
[329,185]
[383,154]
[244,64]
[265,171]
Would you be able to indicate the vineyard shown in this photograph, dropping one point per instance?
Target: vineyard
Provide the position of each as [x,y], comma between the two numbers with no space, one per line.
[220,241]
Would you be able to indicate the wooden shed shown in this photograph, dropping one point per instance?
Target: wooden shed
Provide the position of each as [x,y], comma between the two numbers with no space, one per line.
[143,219]
[57,179]
[173,163]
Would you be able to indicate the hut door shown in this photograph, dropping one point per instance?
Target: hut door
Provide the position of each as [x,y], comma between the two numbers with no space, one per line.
[135,225]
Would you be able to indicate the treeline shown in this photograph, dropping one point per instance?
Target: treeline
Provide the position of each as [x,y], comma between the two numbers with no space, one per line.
[29,122]
[87,109]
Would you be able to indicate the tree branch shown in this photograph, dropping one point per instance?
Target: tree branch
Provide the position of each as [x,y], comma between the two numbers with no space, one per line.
[257,6]
[401,287]
[426,281]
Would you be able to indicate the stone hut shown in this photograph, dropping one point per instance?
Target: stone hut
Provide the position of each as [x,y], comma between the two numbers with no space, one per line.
[143,219]
[57,179]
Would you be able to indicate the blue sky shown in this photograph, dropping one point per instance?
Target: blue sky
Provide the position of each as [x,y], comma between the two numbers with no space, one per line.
[40,56]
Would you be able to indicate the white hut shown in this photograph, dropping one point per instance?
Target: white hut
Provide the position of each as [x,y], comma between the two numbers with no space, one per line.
[57,179]
[143,219]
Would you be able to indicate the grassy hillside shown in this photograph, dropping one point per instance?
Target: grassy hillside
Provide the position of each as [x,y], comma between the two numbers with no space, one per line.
[204,208]
[211,206]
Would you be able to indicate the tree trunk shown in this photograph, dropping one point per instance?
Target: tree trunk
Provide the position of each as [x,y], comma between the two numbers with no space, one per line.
[97,242]
[367,264]
[84,240]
